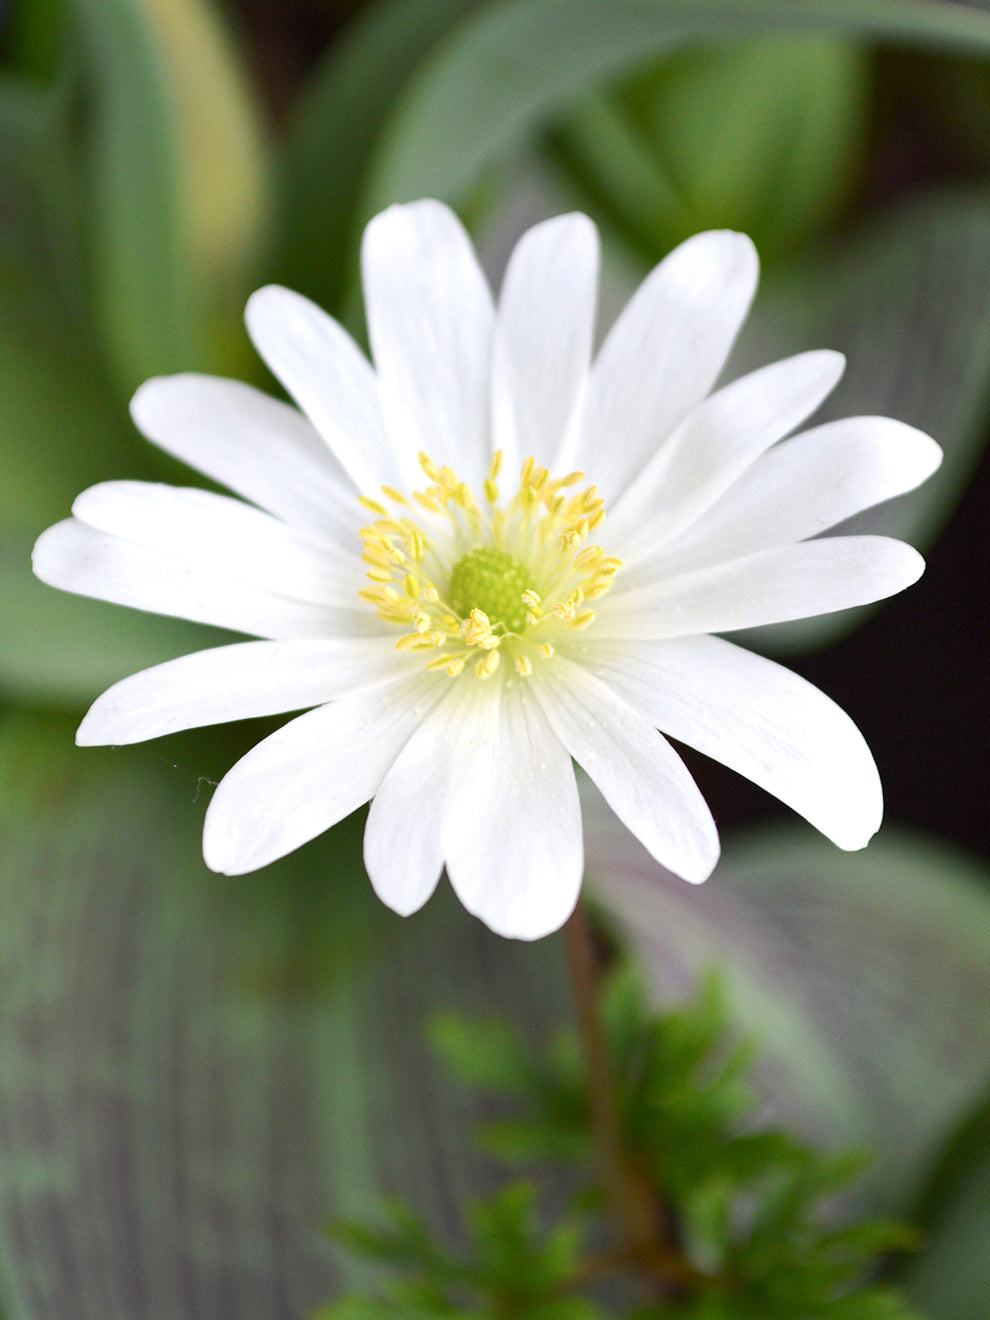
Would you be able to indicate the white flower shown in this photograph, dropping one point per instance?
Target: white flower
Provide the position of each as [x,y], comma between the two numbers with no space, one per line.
[433,570]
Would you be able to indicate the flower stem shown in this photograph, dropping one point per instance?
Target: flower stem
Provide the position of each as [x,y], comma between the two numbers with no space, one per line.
[638,1205]
[638,1210]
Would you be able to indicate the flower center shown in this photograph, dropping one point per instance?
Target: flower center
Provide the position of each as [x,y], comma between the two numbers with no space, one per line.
[493,581]
[476,581]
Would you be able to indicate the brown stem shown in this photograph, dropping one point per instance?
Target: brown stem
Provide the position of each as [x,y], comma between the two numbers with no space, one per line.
[646,1247]
[638,1210]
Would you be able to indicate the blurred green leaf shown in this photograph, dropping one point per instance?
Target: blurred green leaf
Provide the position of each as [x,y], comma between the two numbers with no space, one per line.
[196,1073]
[516,65]
[61,428]
[142,280]
[487,1054]
[907,300]
[763,136]
[30,36]
[176,179]
[950,1279]
[823,953]
[61,432]
[40,211]
[170,251]
[333,131]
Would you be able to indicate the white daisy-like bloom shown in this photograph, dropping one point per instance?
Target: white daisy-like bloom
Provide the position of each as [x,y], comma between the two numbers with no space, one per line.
[491,554]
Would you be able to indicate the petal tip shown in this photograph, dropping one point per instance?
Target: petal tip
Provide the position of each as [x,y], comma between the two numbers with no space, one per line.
[48,554]
[88,735]
[261,302]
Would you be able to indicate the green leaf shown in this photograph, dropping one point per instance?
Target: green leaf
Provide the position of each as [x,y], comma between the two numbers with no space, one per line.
[908,301]
[512,67]
[950,1278]
[176,175]
[29,37]
[196,1073]
[332,133]
[489,1054]
[65,418]
[762,136]
[62,432]
[40,211]
[61,428]
[141,273]
[822,951]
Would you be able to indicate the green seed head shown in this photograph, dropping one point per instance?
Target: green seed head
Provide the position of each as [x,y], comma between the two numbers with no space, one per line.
[489,579]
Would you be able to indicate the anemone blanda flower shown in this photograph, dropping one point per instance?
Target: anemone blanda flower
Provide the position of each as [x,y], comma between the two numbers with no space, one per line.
[488,554]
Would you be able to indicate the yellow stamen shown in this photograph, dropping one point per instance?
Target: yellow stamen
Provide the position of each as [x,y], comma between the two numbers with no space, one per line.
[487,665]
[466,581]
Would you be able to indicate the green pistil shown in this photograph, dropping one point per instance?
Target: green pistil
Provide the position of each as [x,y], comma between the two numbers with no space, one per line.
[488,579]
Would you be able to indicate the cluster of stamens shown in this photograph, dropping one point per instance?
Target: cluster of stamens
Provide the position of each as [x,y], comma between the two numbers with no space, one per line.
[472,582]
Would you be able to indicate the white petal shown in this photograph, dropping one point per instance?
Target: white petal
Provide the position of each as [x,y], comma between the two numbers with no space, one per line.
[403,852]
[77,558]
[759,719]
[807,485]
[770,586]
[664,353]
[430,318]
[639,774]
[714,444]
[235,683]
[254,445]
[512,835]
[310,774]
[542,348]
[329,377]
[222,536]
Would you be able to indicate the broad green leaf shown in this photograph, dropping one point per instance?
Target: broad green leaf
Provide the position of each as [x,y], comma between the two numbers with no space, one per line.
[507,71]
[865,977]
[198,1073]
[224,163]
[907,299]
[950,1278]
[141,272]
[176,180]
[333,131]
[62,431]
[762,136]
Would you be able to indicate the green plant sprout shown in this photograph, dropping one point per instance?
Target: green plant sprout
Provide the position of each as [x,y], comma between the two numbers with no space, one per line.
[677,1200]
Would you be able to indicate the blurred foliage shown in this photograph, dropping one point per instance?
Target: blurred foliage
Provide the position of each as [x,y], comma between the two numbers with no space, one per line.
[132,208]
[741,1230]
[824,949]
[765,136]
[195,1072]
[951,1281]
